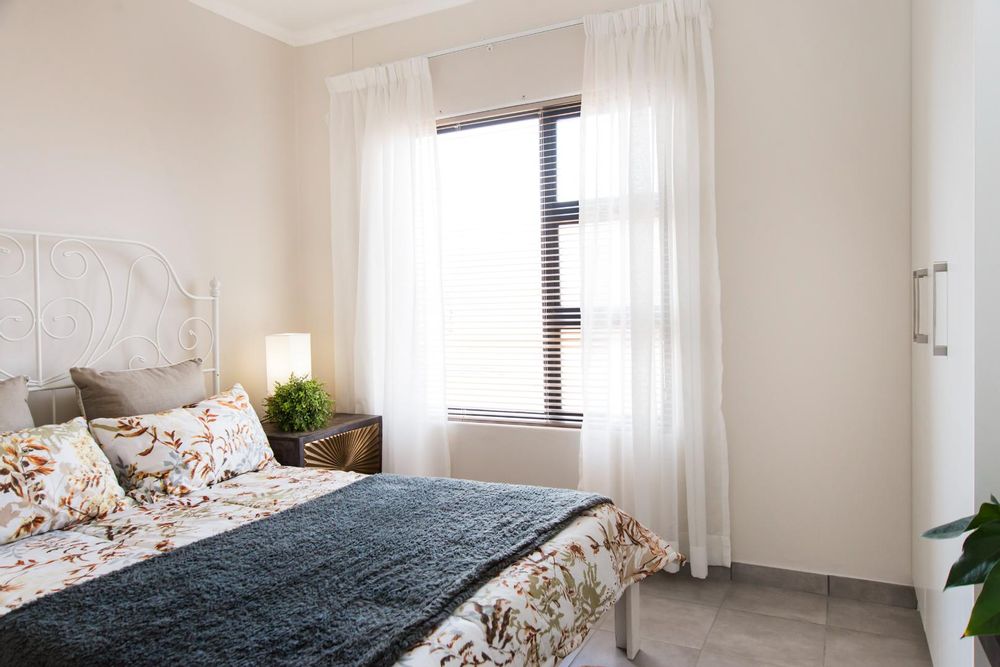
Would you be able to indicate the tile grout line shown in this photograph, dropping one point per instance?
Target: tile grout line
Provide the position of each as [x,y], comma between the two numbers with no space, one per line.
[728,652]
[719,607]
[715,619]
[825,625]
[700,603]
[734,654]
[826,632]
[727,594]
[737,569]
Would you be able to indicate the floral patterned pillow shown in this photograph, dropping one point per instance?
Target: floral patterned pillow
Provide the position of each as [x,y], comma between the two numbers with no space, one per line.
[53,477]
[177,451]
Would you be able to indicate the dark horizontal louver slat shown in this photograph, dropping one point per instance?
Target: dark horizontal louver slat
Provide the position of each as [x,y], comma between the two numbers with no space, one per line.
[512,312]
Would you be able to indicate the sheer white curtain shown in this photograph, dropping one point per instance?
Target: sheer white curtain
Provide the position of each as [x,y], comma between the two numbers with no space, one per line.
[388,317]
[653,436]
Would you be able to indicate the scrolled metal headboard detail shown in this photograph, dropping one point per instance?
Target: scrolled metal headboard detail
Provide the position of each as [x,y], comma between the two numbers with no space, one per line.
[74,298]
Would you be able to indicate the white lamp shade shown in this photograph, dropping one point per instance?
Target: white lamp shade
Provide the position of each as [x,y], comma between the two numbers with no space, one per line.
[287,354]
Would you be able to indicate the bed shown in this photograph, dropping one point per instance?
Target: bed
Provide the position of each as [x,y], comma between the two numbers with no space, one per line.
[536,611]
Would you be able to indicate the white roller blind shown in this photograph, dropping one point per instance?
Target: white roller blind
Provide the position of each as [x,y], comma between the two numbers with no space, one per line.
[510,189]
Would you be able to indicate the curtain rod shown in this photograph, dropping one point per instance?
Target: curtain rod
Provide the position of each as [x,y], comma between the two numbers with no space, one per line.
[506,38]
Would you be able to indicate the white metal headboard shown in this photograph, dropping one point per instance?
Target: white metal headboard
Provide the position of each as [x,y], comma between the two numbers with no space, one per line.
[57,291]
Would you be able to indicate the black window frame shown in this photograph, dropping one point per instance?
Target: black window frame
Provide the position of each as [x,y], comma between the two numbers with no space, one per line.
[557,318]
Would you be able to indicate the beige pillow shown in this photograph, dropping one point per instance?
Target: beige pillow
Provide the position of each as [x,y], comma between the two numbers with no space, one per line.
[113,394]
[14,412]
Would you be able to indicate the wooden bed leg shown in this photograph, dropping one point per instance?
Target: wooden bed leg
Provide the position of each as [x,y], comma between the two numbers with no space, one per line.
[627,621]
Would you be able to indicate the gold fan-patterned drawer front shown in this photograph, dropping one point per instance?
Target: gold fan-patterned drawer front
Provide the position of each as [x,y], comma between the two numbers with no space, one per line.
[359,450]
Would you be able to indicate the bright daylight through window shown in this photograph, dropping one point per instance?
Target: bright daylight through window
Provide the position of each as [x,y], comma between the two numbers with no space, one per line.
[510,190]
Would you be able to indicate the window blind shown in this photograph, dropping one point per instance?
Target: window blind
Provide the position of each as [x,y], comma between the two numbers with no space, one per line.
[511,266]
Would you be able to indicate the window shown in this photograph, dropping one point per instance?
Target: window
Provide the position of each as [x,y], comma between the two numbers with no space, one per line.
[510,210]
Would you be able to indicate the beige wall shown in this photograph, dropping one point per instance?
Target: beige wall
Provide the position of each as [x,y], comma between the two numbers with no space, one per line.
[813,195]
[159,121]
[813,190]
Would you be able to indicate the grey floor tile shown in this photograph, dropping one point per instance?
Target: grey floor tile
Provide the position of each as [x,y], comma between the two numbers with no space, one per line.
[669,620]
[714,659]
[759,626]
[876,618]
[847,648]
[873,591]
[600,651]
[674,621]
[715,573]
[766,638]
[777,602]
[679,587]
[720,573]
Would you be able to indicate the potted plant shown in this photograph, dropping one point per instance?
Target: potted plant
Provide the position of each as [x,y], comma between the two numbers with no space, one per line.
[977,564]
[301,404]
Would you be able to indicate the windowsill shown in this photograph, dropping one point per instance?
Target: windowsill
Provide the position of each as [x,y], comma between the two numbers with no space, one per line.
[516,424]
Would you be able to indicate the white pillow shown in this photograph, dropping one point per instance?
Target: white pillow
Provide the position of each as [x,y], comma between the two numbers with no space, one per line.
[53,477]
[177,451]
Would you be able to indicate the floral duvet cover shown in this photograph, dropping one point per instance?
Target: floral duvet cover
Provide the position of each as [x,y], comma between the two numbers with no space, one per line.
[535,612]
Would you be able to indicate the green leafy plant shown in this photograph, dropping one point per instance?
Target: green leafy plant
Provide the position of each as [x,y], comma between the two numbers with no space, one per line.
[301,404]
[977,564]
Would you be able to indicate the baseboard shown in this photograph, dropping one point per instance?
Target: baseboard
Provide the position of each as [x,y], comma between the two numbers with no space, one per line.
[880,592]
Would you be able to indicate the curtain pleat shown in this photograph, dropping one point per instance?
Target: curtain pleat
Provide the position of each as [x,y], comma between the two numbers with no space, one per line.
[653,435]
[388,315]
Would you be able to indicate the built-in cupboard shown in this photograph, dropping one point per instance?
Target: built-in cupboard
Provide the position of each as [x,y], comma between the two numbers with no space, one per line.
[955,244]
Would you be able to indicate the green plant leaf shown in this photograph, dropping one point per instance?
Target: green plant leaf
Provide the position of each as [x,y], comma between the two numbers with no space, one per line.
[988,512]
[949,530]
[980,552]
[985,618]
[301,404]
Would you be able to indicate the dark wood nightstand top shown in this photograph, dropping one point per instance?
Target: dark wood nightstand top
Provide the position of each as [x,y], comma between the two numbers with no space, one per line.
[338,423]
[346,442]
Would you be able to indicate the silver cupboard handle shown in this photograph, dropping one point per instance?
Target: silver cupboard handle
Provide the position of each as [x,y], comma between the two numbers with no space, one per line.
[939,350]
[917,336]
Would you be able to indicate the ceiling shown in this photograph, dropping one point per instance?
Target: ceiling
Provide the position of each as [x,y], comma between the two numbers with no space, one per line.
[300,22]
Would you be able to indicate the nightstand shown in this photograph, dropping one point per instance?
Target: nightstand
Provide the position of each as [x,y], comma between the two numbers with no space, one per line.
[347,442]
